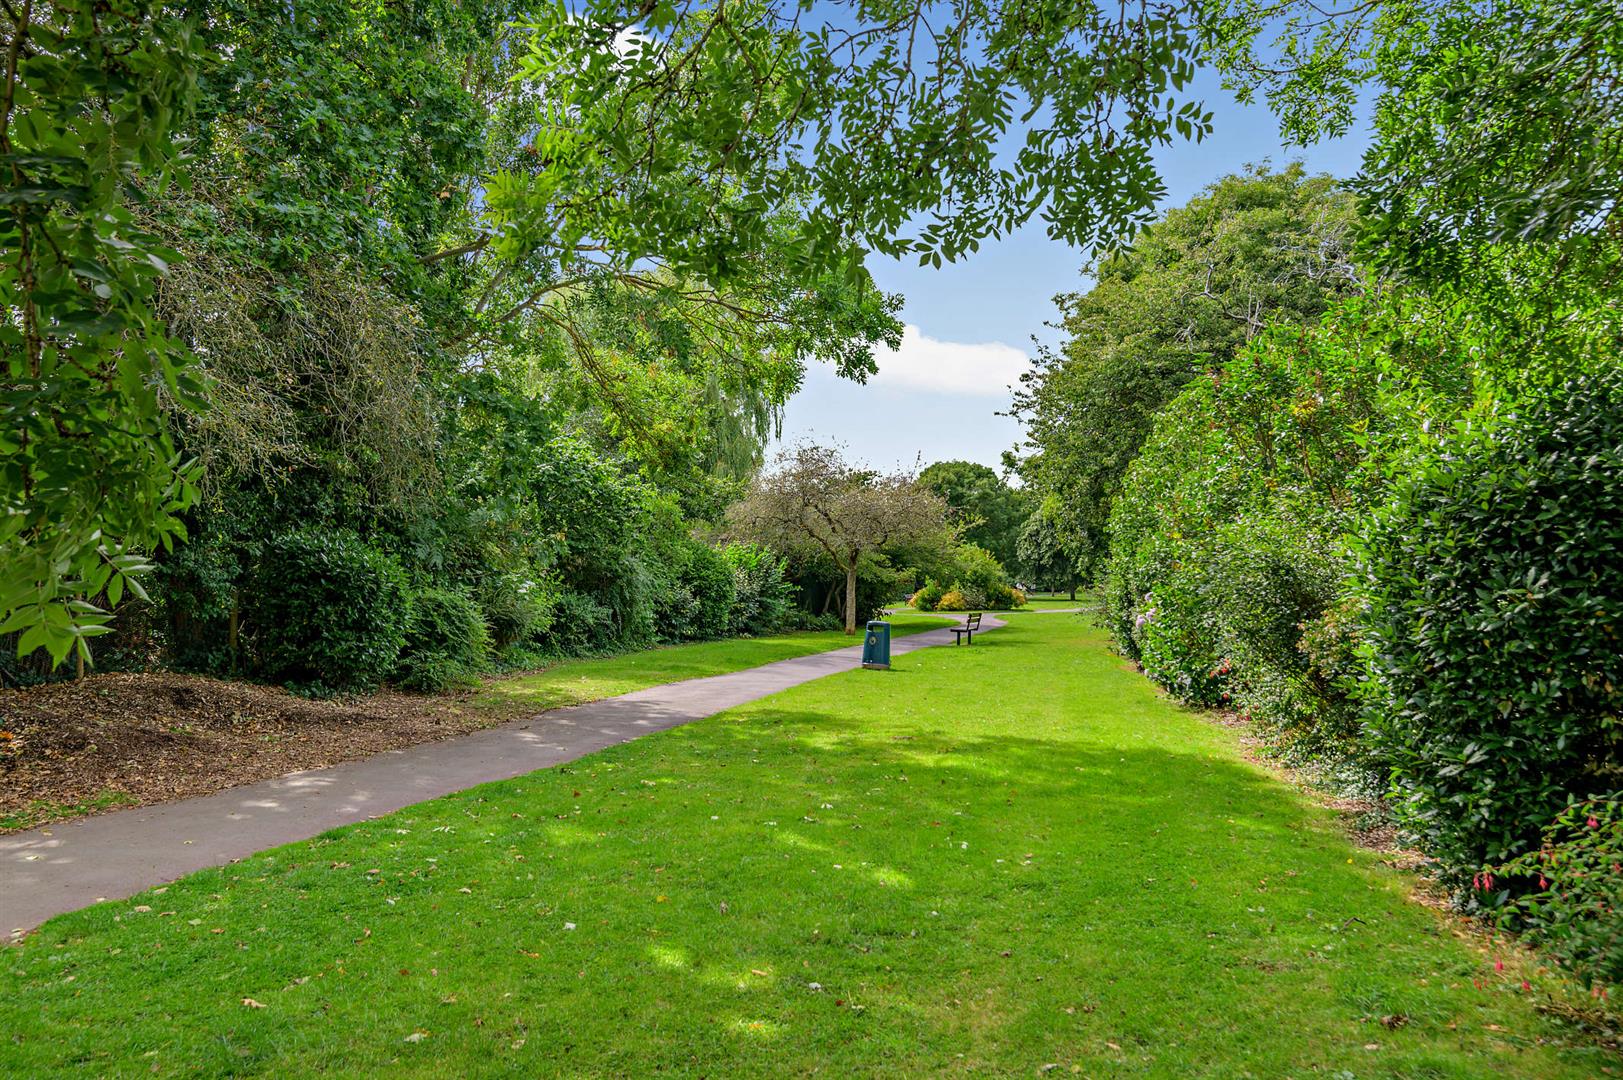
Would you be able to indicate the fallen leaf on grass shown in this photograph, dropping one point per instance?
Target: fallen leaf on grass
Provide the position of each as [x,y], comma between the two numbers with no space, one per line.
[416,1036]
[252,1004]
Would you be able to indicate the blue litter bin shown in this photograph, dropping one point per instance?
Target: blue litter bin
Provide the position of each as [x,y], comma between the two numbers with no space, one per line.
[876,646]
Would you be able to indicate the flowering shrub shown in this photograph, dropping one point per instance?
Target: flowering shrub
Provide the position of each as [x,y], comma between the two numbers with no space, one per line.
[1178,642]
[1579,871]
[929,597]
[953,600]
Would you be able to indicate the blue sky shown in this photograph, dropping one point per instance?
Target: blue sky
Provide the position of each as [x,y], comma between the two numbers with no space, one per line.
[970,324]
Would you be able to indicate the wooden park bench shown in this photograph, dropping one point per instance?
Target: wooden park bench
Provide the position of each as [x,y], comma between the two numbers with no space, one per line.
[966,632]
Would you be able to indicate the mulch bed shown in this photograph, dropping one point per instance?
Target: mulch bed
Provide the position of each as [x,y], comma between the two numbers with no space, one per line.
[127,739]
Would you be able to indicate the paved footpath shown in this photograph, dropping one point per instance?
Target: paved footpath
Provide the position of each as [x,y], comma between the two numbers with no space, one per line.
[66,866]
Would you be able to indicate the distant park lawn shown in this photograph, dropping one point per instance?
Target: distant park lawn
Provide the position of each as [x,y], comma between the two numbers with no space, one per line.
[572,682]
[992,859]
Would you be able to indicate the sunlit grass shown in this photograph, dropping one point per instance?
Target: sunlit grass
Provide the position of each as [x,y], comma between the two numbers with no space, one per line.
[994,860]
[574,682]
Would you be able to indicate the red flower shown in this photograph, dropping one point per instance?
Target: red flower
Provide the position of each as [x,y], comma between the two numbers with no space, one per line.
[1593,822]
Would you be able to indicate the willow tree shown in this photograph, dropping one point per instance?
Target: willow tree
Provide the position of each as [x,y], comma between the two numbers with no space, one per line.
[815,503]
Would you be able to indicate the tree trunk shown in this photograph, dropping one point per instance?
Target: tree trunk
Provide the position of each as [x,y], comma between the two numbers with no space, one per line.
[851,600]
[1073,589]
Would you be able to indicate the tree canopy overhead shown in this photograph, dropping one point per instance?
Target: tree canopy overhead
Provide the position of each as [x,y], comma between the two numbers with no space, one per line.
[681,125]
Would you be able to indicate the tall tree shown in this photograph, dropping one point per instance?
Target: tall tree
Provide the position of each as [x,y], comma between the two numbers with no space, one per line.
[1046,548]
[1254,249]
[990,512]
[814,502]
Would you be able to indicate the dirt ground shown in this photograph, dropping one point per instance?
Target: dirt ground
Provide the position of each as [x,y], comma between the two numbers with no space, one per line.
[116,740]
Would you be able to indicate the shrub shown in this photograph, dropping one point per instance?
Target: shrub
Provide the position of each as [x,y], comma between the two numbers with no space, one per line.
[329,613]
[693,593]
[801,619]
[929,597]
[1177,632]
[446,644]
[196,591]
[581,625]
[1004,598]
[1574,916]
[762,595]
[710,577]
[953,600]
[1275,582]
[1493,589]
[516,608]
[977,569]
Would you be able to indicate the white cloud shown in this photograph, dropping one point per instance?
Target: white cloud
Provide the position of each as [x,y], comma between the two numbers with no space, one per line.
[986,369]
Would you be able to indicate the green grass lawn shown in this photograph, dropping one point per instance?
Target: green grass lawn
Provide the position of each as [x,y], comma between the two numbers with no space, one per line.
[573,682]
[990,859]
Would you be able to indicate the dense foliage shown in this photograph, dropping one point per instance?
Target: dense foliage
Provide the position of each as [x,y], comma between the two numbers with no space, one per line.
[1227,543]
[1490,583]
[1579,873]
[330,613]
[1252,251]
[447,641]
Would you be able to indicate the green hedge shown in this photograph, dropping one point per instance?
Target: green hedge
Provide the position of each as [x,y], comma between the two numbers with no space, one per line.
[1494,590]
[1228,556]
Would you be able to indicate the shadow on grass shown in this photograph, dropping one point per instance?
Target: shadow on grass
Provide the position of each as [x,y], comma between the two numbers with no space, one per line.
[774,891]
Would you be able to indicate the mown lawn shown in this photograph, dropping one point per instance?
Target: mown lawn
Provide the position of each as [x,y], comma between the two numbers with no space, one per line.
[574,682]
[991,859]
